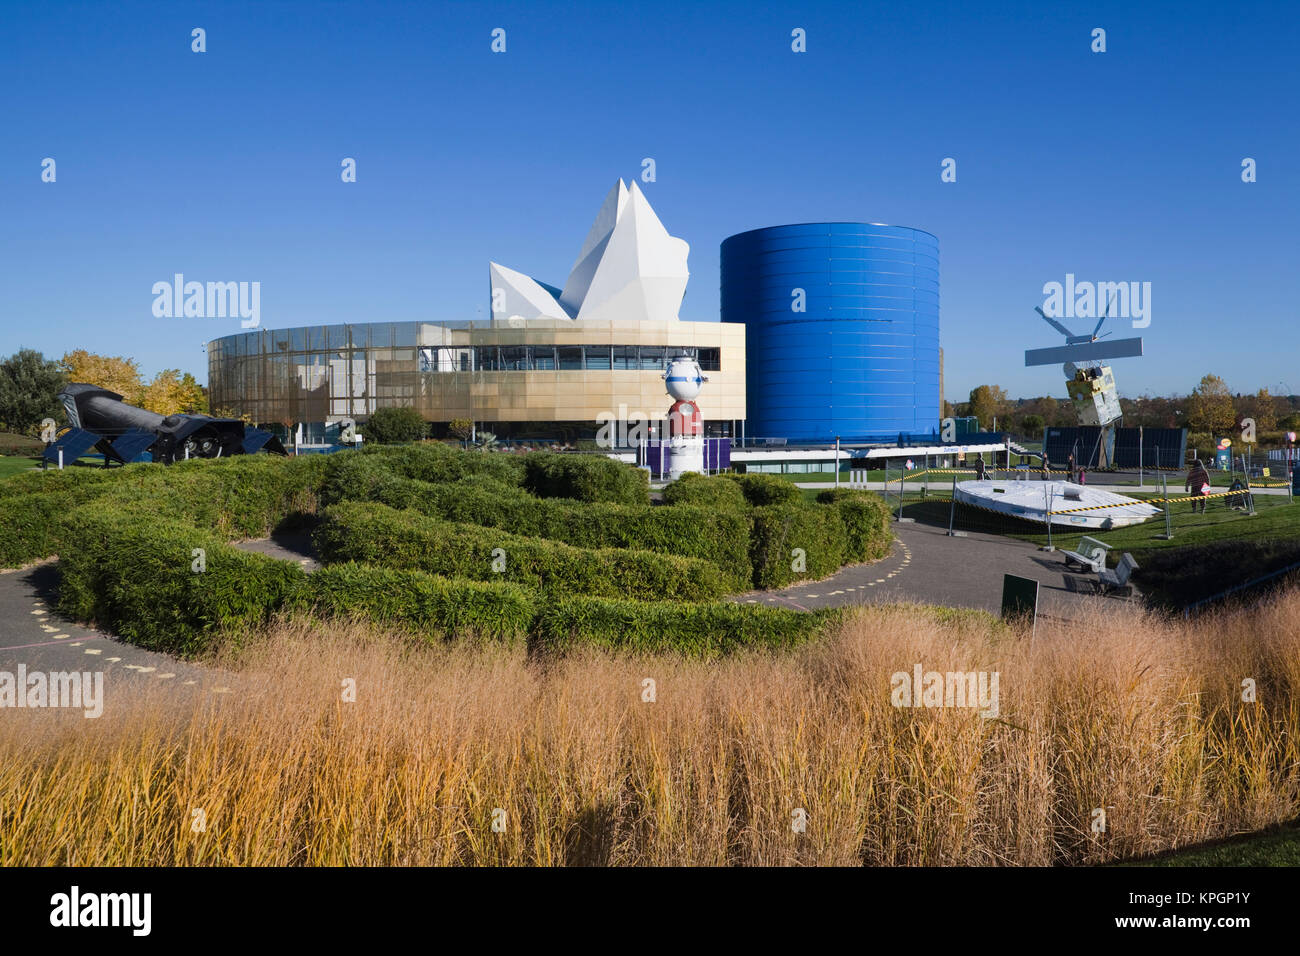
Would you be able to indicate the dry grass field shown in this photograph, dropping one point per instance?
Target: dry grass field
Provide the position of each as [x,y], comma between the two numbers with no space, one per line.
[1143,719]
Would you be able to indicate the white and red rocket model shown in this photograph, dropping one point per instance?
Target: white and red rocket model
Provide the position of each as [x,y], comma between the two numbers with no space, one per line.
[684,380]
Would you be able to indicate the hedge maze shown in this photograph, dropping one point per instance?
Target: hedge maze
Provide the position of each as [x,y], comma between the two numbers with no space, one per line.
[559,551]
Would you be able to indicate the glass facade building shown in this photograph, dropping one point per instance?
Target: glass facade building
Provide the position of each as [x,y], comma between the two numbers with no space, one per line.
[541,378]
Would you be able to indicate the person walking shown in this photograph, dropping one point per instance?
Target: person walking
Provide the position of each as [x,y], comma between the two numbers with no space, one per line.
[1198,481]
[979,468]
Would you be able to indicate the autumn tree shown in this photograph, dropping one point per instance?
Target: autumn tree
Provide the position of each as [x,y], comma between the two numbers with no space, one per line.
[988,402]
[461,428]
[1262,407]
[1209,407]
[115,373]
[171,393]
[226,411]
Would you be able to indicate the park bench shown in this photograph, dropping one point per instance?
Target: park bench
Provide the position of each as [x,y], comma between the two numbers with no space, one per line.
[1091,555]
[1117,580]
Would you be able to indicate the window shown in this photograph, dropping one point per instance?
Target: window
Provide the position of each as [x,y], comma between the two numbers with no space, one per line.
[710,360]
[570,356]
[543,357]
[624,356]
[597,356]
[652,357]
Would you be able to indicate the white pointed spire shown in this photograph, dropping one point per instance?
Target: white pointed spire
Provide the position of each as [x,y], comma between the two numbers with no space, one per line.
[642,274]
[575,289]
[629,268]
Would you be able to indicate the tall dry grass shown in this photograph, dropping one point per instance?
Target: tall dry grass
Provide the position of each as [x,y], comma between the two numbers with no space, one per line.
[1136,715]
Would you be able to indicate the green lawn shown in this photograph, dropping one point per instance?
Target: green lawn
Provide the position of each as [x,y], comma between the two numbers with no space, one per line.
[1275,848]
[14,464]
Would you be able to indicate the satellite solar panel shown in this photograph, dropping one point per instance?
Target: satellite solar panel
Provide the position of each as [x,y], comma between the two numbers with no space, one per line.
[75,442]
[1085,352]
[255,439]
[132,444]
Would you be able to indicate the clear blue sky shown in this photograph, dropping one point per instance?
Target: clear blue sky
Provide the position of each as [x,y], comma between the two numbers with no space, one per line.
[225,165]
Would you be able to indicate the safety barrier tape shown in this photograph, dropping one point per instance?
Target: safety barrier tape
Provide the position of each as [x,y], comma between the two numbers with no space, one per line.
[1149,501]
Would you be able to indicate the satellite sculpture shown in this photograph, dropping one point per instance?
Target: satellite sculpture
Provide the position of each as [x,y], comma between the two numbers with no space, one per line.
[1089,380]
[684,380]
[121,432]
[1091,384]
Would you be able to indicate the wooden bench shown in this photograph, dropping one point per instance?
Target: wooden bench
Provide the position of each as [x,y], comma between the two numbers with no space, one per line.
[1091,555]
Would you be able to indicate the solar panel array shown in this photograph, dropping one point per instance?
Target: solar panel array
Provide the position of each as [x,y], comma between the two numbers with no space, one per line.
[1149,447]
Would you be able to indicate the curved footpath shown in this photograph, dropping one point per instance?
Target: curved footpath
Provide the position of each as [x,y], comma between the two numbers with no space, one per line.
[929,567]
[34,636]
[925,566]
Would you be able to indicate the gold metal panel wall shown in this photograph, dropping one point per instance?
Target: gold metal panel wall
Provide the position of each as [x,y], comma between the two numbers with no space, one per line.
[350,370]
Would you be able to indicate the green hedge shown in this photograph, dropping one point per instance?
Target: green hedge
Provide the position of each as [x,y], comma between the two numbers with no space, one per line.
[37,482]
[721,538]
[698,630]
[867,523]
[134,575]
[350,476]
[30,524]
[434,461]
[715,492]
[246,496]
[585,478]
[435,607]
[779,529]
[373,533]
[240,497]
[760,490]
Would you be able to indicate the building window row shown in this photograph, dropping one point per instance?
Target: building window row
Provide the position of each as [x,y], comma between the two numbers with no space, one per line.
[541,358]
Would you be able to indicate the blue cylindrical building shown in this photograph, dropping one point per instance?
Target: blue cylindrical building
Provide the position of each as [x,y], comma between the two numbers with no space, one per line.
[842,334]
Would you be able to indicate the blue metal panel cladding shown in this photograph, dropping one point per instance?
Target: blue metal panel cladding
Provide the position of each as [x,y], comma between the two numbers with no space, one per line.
[861,360]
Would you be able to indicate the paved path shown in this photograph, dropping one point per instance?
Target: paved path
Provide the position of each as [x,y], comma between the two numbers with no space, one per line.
[32,634]
[925,565]
[929,567]
[296,547]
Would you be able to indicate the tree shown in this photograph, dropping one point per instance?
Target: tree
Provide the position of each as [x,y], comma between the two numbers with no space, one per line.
[988,402]
[1262,408]
[1209,407]
[461,428]
[29,389]
[389,426]
[115,373]
[227,412]
[170,393]
[1033,425]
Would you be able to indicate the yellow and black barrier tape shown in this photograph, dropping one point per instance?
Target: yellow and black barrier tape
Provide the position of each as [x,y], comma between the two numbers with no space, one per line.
[1152,501]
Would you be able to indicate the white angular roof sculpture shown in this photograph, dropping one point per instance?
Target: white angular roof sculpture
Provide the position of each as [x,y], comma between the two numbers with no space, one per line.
[629,268]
